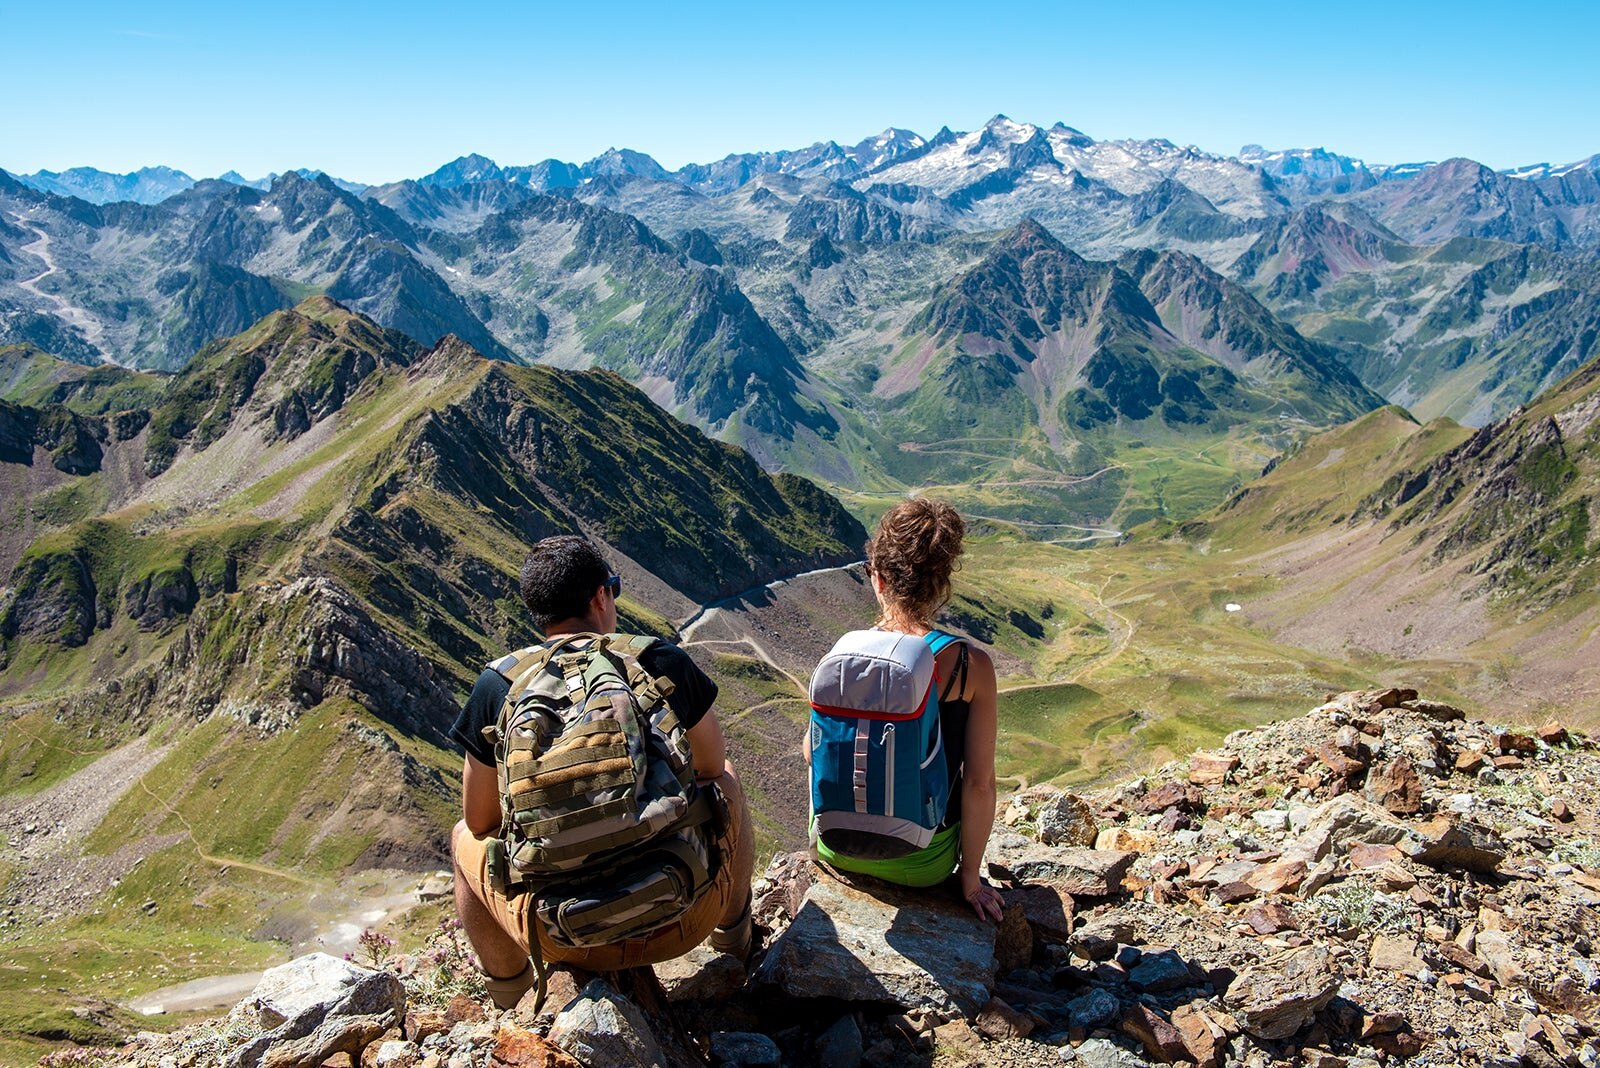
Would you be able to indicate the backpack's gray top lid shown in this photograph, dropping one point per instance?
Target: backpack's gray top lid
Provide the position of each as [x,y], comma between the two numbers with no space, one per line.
[874,671]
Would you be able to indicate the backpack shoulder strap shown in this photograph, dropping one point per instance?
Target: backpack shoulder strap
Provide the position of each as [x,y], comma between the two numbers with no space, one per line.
[938,641]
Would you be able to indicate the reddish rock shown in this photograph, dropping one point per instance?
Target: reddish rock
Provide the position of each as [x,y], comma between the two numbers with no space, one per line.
[1402,1044]
[462,1009]
[1048,909]
[1169,869]
[1393,697]
[1211,769]
[1396,787]
[1382,1023]
[1271,917]
[1176,795]
[1396,953]
[420,1023]
[1203,1038]
[1508,760]
[1444,842]
[1336,761]
[1468,761]
[1560,812]
[1283,876]
[1461,959]
[1233,893]
[516,1048]
[1363,855]
[1155,1031]
[1000,1021]
[1509,742]
[1553,733]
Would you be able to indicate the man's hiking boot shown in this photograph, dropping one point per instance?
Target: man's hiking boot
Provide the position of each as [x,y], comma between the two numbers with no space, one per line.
[507,993]
[736,938]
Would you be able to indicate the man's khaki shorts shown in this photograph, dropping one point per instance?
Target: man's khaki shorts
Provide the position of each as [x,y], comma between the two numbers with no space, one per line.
[673,940]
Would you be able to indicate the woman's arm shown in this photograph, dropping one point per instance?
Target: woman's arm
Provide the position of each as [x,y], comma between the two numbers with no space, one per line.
[977,784]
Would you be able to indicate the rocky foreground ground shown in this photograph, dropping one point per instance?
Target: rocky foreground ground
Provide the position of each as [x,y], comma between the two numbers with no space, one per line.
[1382,880]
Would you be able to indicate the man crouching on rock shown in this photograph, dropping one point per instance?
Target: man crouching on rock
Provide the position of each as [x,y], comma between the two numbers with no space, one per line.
[572,593]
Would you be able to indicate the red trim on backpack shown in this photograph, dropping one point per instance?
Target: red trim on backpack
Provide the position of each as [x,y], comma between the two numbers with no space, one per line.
[856,713]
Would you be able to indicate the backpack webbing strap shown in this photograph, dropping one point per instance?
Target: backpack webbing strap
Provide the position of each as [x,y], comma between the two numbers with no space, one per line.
[699,879]
[700,810]
[571,757]
[614,807]
[568,790]
[859,776]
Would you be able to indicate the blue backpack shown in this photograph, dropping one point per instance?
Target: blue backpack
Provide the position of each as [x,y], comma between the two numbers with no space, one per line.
[879,786]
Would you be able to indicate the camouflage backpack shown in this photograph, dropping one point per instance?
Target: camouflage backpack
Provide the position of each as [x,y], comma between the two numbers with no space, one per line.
[601,817]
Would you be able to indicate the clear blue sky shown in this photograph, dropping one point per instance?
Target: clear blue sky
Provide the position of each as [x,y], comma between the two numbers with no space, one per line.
[375,92]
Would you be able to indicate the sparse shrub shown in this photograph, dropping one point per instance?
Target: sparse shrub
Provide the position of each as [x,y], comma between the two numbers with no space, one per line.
[374,948]
[1355,905]
[444,968]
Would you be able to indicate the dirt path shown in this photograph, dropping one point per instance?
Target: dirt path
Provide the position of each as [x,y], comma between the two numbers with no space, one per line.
[761,654]
[92,330]
[221,862]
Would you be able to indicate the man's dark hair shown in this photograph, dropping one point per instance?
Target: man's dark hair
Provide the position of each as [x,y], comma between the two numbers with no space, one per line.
[560,577]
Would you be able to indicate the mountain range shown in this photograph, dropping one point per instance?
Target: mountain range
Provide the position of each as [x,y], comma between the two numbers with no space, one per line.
[1449,288]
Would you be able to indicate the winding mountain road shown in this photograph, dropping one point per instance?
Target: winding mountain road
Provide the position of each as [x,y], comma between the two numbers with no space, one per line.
[90,327]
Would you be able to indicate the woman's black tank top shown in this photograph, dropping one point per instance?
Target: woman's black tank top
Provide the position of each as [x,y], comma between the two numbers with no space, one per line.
[953,728]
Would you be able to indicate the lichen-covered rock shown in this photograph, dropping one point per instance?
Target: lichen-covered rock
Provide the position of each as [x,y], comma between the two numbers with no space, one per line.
[1275,999]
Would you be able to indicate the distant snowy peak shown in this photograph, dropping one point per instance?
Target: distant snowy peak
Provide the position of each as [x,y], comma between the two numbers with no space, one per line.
[147,185]
[1539,171]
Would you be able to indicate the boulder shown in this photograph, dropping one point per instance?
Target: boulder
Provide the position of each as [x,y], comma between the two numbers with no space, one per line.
[1276,998]
[1341,820]
[702,974]
[315,1007]
[916,950]
[1067,820]
[1394,785]
[1211,769]
[1160,970]
[1048,910]
[1095,1009]
[1448,842]
[1154,1030]
[603,1027]
[1074,870]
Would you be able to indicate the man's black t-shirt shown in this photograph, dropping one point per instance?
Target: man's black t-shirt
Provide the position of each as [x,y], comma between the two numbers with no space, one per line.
[692,696]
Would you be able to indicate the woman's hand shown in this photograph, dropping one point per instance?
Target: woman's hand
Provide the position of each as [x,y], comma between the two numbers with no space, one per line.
[984,899]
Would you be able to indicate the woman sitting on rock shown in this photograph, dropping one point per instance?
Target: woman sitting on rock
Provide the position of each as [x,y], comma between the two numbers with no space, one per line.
[910,560]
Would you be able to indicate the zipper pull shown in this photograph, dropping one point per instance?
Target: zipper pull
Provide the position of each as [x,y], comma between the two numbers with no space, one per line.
[888,732]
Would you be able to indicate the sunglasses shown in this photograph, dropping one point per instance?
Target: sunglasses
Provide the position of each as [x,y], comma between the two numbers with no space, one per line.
[614,583]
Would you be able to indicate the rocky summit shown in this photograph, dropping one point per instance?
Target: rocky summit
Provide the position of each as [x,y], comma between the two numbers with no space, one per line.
[1383,880]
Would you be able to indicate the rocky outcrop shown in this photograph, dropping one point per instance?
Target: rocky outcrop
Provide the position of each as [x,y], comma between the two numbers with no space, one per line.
[1284,915]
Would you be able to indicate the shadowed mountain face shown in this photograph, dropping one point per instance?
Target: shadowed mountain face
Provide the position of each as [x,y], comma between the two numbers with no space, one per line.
[321,519]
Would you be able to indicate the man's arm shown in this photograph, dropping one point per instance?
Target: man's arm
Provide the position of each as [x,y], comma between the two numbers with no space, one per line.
[480,796]
[709,746]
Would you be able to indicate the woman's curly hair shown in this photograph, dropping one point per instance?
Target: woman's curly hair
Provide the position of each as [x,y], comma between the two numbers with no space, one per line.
[913,554]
